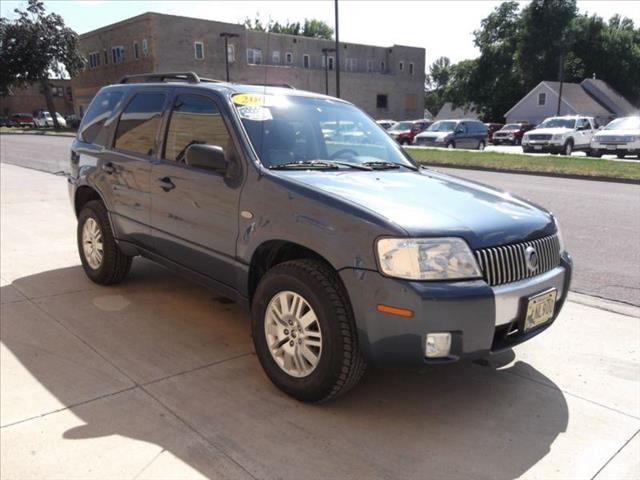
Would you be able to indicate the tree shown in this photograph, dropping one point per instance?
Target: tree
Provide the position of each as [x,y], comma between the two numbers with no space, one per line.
[311,27]
[435,84]
[34,46]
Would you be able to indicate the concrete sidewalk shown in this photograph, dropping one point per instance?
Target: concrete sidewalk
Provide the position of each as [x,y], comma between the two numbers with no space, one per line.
[156,378]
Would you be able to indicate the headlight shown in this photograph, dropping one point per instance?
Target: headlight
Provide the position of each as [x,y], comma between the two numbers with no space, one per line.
[427,258]
[440,139]
[558,136]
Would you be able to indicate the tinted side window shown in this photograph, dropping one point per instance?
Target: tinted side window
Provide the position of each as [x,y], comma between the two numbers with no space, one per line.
[195,120]
[139,123]
[91,130]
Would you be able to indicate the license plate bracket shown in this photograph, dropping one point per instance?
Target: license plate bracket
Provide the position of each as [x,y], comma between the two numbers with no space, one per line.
[539,309]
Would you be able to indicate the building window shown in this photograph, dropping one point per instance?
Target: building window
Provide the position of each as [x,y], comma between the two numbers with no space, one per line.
[275,57]
[57,91]
[289,58]
[331,63]
[231,53]
[542,99]
[306,61]
[254,56]
[381,101]
[198,49]
[351,64]
[383,67]
[136,51]
[106,57]
[138,124]
[145,47]
[411,69]
[401,66]
[369,66]
[69,93]
[117,54]
[94,60]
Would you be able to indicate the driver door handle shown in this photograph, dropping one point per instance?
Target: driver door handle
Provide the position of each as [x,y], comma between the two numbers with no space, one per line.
[166,184]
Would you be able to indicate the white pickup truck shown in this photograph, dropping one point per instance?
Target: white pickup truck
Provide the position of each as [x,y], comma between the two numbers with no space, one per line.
[560,135]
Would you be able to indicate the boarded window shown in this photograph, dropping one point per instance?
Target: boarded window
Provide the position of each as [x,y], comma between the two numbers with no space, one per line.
[198,48]
[139,123]
[91,130]
[195,120]
[306,61]
[381,101]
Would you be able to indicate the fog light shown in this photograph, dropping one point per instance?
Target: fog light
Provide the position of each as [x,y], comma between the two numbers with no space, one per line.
[438,345]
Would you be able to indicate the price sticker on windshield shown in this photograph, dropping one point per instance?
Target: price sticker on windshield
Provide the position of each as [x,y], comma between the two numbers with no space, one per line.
[259,100]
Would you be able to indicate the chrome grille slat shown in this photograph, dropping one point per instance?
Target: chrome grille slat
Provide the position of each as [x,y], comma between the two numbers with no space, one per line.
[507,263]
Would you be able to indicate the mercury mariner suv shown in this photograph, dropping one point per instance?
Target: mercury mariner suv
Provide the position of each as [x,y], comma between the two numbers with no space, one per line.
[563,135]
[345,252]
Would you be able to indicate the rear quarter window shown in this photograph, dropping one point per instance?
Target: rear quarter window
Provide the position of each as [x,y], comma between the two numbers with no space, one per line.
[139,123]
[92,128]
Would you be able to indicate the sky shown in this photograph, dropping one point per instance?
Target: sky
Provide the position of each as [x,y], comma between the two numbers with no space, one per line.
[443,28]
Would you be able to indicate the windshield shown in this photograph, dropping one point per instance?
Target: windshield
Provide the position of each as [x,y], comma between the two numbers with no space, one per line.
[628,123]
[401,126]
[285,129]
[558,123]
[443,126]
[511,126]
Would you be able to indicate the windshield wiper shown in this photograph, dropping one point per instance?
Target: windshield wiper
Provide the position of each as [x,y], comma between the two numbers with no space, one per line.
[302,164]
[381,165]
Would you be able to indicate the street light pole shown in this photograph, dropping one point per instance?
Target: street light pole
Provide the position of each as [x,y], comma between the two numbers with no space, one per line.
[227,36]
[326,68]
[337,54]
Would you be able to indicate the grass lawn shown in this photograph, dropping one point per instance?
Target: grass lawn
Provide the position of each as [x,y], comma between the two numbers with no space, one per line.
[589,167]
[65,132]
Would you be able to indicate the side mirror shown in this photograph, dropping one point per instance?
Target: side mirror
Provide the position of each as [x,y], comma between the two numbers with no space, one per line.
[208,157]
[459,130]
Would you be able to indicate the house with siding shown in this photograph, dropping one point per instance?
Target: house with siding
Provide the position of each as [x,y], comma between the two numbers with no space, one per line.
[449,112]
[591,97]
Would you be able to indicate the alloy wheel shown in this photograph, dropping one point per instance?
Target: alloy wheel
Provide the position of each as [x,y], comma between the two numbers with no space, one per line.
[293,334]
[92,245]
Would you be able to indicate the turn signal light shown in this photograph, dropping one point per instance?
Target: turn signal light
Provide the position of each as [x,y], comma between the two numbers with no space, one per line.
[400,312]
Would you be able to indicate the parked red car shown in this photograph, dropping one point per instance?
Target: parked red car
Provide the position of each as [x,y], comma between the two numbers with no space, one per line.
[511,133]
[492,128]
[23,119]
[404,132]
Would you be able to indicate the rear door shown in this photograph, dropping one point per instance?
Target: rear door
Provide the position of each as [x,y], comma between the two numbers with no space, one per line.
[126,167]
[194,210]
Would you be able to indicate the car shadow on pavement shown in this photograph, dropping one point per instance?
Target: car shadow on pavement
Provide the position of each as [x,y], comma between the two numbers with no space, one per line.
[166,362]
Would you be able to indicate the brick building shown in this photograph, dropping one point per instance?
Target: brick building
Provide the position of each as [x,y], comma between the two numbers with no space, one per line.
[387,82]
[26,100]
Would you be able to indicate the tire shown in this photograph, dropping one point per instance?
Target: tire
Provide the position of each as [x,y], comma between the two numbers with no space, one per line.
[593,154]
[568,148]
[481,146]
[526,150]
[340,364]
[114,265]
[620,155]
[451,145]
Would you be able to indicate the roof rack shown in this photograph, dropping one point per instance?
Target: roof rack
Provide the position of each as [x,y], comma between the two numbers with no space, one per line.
[190,77]
[281,85]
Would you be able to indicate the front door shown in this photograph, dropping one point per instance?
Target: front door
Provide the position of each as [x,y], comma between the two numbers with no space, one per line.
[584,133]
[194,214]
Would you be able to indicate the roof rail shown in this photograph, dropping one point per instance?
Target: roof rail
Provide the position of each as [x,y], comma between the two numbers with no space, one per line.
[281,85]
[190,77]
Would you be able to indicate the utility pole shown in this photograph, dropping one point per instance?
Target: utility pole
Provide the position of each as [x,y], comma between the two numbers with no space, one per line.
[561,78]
[227,36]
[325,51]
[337,54]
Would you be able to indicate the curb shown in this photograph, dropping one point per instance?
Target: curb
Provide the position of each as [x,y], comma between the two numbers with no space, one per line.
[614,306]
[572,176]
[43,134]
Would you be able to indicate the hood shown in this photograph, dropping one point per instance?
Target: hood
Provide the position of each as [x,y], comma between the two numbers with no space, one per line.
[432,134]
[399,132]
[618,133]
[550,130]
[427,203]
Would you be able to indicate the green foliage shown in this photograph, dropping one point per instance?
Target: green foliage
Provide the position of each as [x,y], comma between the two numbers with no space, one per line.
[521,48]
[36,45]
[311,27]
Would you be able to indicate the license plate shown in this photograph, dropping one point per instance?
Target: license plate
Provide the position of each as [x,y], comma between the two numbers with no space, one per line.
[536,147]
[611,147]
[540,309]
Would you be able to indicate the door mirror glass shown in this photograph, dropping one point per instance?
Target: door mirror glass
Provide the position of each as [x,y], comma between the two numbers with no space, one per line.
[208,157]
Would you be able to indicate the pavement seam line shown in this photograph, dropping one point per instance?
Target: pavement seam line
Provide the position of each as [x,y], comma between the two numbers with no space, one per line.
[552,387]
[69,407]
[615,454]
[198,433]
[149,463]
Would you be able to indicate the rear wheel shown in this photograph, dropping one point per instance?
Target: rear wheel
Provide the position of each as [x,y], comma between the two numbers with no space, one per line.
[620,155]
[102,260]
[304,332]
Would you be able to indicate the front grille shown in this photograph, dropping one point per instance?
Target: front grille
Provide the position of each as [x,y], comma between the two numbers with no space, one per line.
[614,139]
[539,136]
[425,140]
[507,263]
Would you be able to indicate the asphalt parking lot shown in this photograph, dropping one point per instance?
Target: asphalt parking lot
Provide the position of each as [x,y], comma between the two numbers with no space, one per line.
[156,378]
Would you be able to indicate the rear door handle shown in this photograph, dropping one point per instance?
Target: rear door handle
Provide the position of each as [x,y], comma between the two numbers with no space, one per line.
[166,184]
[108,168]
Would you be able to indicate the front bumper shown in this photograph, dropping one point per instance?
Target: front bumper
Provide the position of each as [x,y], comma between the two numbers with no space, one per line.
[481,319]
[626,148]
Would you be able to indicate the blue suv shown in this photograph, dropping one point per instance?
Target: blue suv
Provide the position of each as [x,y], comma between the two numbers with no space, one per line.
[344,250]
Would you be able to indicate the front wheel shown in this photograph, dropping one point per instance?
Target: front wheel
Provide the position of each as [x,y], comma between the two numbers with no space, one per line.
[620,155]
[568,148]
[102,260]
[451,145]
[304,331]
[594,154]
